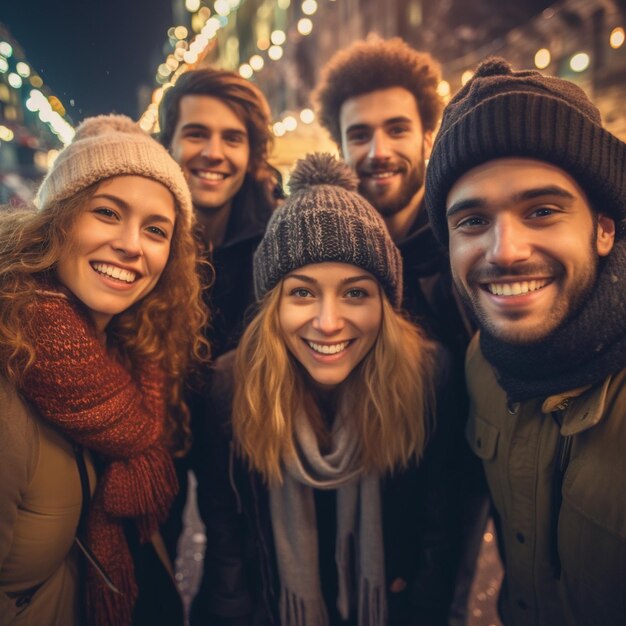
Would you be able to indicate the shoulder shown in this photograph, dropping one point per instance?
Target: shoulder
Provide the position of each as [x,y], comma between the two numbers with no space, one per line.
[19,436]
[17,420]
[223,372]
[221,386]
[479,372]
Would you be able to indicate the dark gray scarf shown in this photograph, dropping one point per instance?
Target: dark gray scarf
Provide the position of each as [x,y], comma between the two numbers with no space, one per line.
[586,349]
[359,527]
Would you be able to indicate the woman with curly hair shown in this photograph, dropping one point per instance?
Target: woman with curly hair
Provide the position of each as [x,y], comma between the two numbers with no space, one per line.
[100,319]
[329,392]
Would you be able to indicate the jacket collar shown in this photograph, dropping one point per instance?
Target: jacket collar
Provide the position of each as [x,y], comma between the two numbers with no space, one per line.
[248,215]
[582,408]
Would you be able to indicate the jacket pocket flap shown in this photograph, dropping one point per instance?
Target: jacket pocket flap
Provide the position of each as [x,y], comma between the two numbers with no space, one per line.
[482,437]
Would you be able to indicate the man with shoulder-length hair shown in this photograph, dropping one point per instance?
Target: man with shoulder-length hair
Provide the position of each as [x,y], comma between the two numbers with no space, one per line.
[528,189]
[378,99]
[216,126]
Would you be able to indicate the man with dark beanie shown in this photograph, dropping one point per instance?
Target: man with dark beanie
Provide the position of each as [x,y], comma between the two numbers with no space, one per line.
[529,191]
[378,99]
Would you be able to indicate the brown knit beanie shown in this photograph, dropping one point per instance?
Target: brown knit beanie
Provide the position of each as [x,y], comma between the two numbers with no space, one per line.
[325,219]
[502,113]
[112,145]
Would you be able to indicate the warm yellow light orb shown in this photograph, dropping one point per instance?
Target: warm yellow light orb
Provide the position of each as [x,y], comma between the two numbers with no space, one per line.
[275,53]
[542,58]
[617,37]
[580,62]
[307,116]
[305,26]
[443,88]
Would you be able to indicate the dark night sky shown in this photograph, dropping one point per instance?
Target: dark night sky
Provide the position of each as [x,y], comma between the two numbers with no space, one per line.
[96,53]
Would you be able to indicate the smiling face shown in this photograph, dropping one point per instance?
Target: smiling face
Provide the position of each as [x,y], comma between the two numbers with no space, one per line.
[330,315]
[211,145]
[119,245]
[383,141]
[524,246]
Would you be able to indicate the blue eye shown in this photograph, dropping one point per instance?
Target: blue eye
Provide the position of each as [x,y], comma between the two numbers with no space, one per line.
[356,293]
[300,292]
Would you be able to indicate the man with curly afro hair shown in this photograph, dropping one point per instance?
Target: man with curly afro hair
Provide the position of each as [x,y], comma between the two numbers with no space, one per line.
[378,99]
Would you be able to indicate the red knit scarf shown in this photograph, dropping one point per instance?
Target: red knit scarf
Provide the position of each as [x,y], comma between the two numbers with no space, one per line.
[76,385]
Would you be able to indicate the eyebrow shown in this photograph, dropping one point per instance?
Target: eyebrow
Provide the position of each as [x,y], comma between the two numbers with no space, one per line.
[400,119]
[154,217]
[197,126]
[527,194]
[345,281]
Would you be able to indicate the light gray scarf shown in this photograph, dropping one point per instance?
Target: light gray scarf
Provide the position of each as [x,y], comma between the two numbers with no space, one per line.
[359,527]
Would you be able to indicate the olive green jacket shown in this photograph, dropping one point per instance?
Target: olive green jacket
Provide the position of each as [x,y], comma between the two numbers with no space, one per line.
[556,469]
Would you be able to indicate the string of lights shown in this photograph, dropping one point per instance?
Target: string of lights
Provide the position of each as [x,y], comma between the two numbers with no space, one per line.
[186,54]
[19,77]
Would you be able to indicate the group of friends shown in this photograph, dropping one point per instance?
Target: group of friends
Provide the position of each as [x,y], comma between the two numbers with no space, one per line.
[428,330]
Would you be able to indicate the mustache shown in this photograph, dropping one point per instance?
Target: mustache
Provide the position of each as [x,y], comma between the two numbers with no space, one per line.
[374,168]
[492,273]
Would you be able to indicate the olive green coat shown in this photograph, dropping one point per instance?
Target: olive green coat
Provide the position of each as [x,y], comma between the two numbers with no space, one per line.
[563,533]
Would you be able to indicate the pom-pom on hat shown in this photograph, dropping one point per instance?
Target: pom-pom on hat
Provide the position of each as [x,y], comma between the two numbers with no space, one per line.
[325,219]
[107,146]
[503,113]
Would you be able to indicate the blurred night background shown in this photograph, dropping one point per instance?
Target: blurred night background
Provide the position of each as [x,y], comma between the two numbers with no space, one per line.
[63,61]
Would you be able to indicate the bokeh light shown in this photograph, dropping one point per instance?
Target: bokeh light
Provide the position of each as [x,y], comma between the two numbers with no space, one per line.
[580,62]
[542,58]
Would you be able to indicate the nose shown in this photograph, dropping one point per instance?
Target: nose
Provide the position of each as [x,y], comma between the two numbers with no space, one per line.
[509,243]
[379,149]
[213,148]
[328,319]
[129,241]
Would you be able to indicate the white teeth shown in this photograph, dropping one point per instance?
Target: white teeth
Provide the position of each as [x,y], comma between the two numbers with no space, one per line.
[210,175]
[326,349]
[382,174]
[517,288]
[115,272]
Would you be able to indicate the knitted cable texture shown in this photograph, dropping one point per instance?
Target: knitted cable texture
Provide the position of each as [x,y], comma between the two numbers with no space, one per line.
[81,389]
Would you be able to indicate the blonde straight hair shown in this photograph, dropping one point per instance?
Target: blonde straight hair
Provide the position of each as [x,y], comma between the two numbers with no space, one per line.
[391,393]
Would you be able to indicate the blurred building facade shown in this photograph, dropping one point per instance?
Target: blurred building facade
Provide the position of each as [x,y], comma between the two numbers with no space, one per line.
[283,44]
[33,124]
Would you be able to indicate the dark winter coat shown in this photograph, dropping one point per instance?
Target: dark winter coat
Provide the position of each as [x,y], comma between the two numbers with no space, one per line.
[240,583]
[431,300]
[230,299]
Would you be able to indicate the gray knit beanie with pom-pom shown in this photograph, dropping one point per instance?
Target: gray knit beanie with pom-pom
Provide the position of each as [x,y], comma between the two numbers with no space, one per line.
[107,146]
[325,219]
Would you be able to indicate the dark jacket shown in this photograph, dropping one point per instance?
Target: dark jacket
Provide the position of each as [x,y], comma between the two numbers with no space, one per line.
[240,582]
[230,298]
[231,294]
[431,300]
[429,295]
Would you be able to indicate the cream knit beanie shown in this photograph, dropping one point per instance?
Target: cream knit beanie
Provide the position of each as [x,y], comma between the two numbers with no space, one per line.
[107,146]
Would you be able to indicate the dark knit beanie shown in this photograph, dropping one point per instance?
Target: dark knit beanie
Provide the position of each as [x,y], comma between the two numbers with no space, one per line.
[502,113]
[325,219]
